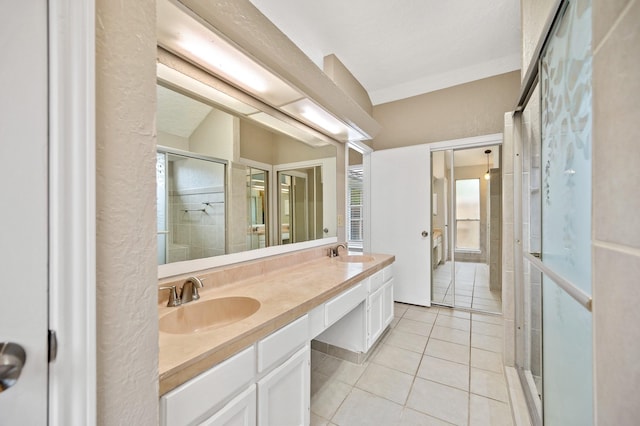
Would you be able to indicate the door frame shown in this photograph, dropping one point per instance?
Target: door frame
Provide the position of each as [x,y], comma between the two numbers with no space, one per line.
[72,212]
[458,144]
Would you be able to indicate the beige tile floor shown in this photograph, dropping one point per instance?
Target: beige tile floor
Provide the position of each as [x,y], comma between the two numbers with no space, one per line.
[471,287]
[435,366]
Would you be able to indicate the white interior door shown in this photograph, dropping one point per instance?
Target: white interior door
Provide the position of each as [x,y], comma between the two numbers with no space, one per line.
[401,218]
[23,217]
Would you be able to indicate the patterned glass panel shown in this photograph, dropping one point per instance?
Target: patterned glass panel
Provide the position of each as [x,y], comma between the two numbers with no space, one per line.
[566,217]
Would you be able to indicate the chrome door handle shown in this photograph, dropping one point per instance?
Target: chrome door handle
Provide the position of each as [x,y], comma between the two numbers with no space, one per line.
[425,234]
[12,359]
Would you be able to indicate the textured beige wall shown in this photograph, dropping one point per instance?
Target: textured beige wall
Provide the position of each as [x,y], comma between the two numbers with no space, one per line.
[289,150]
[471,109]
[256,143]
[127,328]
[616,224]
[343,78]
[259,144]
[355,158]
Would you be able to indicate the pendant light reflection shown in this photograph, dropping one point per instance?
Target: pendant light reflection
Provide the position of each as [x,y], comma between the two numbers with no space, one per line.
[487,175]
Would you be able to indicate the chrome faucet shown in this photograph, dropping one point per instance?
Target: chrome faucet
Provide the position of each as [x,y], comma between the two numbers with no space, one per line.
[189,290]
[335,251]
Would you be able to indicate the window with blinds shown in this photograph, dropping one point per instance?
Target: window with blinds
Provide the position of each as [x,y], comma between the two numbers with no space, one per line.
[354,207]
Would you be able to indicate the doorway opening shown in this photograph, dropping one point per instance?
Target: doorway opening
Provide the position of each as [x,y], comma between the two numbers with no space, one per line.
[466,227]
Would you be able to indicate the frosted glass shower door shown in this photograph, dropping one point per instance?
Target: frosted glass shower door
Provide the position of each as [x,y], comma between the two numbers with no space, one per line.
[565,78]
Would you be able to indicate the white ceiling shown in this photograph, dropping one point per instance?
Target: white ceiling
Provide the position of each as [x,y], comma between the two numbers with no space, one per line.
[402,48]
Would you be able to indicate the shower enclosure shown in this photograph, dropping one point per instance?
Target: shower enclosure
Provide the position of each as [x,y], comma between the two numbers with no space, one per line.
[191,198]
[552,181]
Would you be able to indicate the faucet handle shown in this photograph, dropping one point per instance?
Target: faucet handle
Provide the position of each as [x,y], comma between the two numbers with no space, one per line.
[174,300]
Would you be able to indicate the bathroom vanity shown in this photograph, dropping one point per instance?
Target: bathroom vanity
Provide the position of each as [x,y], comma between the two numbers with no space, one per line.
[256,369]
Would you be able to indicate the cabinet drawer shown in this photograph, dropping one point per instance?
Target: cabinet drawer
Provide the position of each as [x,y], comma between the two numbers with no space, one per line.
[205,392]
[376,281]
[282,342]
[342,304]
[387,273]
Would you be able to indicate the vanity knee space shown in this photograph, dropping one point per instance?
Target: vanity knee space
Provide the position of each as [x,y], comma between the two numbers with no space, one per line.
[355,319]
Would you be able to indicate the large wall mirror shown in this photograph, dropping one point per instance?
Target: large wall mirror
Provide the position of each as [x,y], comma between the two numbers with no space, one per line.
[231,182]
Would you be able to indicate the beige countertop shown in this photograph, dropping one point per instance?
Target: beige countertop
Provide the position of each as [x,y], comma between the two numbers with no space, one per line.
[284,295]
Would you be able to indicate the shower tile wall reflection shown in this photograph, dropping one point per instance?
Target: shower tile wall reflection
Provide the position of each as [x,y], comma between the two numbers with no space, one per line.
[196,209]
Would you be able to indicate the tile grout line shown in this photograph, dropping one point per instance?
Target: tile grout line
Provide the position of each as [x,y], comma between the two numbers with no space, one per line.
[438,314]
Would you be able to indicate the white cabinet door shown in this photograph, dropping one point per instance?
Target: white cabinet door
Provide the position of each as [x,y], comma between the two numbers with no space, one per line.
[374,316]
[241,411]
[284,394]
[401,218]
[23,218]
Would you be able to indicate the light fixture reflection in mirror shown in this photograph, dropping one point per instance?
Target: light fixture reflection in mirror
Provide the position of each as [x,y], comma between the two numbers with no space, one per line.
[243,214]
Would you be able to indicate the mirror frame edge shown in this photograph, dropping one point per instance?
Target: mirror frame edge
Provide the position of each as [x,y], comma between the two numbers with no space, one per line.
[169,270]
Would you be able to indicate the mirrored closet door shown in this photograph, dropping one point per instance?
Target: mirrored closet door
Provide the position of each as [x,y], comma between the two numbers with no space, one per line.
[466,228]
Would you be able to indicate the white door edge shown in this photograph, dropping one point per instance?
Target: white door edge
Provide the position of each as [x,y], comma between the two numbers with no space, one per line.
[72,282]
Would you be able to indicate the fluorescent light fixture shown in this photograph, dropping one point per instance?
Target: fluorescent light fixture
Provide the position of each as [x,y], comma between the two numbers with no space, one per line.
[322,119]
[225,63]
[203,90]
[307,111]
[286,128]
[183,34]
